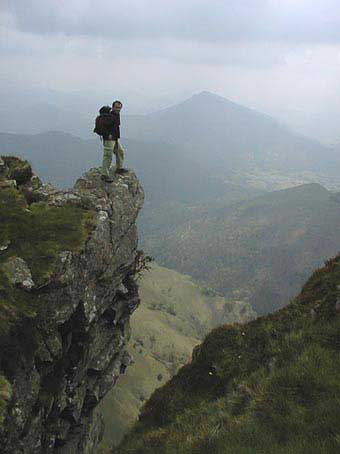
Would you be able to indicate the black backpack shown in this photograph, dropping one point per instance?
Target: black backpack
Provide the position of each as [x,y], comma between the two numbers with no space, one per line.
[104,122]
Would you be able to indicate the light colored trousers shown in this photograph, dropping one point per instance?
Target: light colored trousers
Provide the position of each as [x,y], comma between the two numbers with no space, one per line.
[110,147]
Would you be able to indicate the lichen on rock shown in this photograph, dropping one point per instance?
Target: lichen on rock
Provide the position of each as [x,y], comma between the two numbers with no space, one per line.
[64,321]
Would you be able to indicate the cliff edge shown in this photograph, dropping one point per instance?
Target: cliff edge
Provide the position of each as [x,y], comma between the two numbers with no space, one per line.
[68,262]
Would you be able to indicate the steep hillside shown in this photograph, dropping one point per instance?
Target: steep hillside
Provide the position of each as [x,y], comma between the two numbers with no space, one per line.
[260,250]
[174,316]
[68,263]
[227,137]
[271,385]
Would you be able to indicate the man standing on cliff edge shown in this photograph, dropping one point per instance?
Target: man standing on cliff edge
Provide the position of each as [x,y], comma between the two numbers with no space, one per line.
[108,127]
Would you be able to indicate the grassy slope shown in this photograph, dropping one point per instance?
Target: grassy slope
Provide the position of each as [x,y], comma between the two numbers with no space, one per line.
[174,316]
[263,249]
[271,385]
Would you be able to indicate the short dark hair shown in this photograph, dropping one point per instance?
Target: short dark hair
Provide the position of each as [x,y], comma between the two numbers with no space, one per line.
[117,102]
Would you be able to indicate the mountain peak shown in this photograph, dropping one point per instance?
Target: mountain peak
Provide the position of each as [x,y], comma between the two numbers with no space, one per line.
[208,96]
[211,104]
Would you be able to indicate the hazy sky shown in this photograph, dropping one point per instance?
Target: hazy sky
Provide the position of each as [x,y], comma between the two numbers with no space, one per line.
[274,55]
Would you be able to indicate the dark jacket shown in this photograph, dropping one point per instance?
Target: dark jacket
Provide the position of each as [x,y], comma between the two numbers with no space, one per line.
[116,126]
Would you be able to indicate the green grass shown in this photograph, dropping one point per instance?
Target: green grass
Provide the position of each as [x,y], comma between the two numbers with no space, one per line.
[174,316]
[271,385]
[37,233]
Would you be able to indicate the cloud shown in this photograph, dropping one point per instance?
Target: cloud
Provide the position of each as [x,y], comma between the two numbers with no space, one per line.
[244,54]
[297,21]
[241,33]
[262,53]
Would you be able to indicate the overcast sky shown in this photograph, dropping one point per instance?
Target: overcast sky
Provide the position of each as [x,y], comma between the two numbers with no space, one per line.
[274,55]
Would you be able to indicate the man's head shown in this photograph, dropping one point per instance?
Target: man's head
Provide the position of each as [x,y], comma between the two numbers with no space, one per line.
[117,106]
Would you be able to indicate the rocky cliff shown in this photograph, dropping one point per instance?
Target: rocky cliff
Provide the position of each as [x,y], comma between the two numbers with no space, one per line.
[68,262]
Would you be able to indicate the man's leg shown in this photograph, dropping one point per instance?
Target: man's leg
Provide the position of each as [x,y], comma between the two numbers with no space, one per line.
[119,152]
[107,157]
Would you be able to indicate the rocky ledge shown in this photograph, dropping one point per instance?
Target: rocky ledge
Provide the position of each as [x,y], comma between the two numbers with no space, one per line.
[68,262]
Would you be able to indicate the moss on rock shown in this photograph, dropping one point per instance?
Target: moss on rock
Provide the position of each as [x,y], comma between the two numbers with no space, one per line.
[37,234]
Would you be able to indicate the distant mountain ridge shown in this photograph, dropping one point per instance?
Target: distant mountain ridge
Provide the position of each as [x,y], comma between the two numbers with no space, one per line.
[225,136]
[260,250]
[221,135]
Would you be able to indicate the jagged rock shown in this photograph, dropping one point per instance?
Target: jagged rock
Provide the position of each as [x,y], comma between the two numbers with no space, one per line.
[63,346]
[18,272]
[126,361]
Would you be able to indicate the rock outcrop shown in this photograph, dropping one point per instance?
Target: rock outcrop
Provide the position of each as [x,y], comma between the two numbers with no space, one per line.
[68,261]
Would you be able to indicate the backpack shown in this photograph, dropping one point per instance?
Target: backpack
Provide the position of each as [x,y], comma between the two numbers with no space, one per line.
[104,122]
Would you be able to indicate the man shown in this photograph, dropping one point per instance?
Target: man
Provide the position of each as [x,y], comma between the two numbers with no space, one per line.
[108,127]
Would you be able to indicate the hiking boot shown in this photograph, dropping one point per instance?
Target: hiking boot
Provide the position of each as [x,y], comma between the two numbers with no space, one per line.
[121,171]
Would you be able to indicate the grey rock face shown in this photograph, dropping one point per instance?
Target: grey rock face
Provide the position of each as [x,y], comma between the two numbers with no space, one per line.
[18,272]
[61,362]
